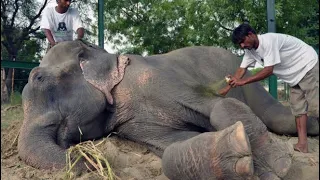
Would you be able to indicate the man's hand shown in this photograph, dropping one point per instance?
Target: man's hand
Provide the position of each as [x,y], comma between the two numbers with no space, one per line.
[264,73]
[224,91]
[49,36]
[80,32]
[239,74]
[234,82]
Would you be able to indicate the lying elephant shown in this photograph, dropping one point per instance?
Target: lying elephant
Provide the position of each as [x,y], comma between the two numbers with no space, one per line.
[159,101]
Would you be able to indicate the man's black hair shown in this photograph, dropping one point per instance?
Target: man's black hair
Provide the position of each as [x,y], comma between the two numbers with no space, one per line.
[241,32]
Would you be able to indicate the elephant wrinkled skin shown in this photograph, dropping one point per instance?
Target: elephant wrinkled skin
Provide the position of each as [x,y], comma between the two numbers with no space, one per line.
[161,102]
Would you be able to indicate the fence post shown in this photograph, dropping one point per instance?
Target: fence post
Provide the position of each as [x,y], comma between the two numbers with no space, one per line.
[100,23]
[273,86]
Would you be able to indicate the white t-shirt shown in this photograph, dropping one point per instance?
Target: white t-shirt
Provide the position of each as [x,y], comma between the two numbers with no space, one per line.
[63,25]
[291,57]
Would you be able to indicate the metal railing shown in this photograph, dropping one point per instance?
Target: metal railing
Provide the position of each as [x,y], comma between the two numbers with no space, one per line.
[18,64]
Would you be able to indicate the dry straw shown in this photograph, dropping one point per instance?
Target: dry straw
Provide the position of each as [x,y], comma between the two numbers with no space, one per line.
[89,151]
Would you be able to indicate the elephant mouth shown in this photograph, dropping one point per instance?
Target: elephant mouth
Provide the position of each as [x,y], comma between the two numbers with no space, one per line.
[82,63]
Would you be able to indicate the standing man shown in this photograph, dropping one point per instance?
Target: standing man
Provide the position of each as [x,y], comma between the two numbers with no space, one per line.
[60,21]
[289,58]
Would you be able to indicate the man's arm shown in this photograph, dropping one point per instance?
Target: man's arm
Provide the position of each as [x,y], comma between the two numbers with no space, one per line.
[239,74]
[49,36]
[264,73]
[80,32]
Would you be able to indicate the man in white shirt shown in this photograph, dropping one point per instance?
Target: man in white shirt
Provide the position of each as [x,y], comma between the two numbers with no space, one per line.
[290,59]
[60,22]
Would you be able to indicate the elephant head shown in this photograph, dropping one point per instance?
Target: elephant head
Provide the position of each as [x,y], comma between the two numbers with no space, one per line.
[61,106]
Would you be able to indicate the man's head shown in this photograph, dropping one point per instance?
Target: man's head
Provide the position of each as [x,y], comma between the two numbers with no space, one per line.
[245,36]
[64,4]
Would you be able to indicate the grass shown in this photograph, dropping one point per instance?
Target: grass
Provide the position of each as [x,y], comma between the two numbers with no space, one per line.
[89,151]
[12,111]
[15,99]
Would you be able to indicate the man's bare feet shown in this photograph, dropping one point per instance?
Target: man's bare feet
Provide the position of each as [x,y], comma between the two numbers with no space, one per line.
[301,123]
[301,148]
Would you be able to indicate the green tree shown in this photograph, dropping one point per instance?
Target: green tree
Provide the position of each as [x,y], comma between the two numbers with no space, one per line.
[21,37]
[300,19]
[86,9]
[158,26]
[19,30]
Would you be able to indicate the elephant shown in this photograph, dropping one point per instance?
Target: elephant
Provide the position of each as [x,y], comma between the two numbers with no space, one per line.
[81,92]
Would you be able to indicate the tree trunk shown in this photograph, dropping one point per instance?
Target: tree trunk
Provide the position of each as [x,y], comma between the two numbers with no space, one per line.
[4,89]
[10,75]
[9,81]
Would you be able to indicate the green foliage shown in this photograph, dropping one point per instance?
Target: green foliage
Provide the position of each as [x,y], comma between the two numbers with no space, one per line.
[30,51]
[21,37]
[20,34]
[300,19]
[255,70]
[16,98]
[85,8]
[12,112]
[159,26]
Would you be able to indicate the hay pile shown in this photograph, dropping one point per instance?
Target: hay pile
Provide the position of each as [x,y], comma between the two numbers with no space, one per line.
[89,151]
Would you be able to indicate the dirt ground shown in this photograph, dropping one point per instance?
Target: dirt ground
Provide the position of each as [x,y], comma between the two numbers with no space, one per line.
[129,161]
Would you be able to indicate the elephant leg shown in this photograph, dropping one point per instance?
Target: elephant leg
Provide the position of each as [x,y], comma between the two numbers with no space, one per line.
[271,158]
[225,154]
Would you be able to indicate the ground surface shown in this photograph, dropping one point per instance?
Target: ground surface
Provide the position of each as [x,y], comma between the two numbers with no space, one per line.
[129,161]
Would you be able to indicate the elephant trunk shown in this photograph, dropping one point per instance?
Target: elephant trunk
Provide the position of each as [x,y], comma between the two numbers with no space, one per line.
[275,116]
[37,146]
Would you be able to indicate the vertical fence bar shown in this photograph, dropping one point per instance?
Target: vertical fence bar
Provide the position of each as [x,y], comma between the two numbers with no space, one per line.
[100,23]
[273,86]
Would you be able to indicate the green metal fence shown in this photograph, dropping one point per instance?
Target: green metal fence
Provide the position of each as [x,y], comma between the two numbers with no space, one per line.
[18,64]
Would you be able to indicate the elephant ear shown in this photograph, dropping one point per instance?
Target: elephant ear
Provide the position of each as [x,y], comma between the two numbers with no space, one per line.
[113,69]
[123,62]
[116,76]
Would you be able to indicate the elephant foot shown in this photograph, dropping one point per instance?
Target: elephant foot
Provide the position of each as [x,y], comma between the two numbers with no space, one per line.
[239,148]
[272,159]
[225,154]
